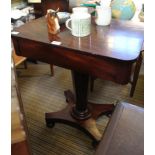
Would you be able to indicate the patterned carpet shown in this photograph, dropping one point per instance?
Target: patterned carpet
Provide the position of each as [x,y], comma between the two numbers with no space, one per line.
[42,93]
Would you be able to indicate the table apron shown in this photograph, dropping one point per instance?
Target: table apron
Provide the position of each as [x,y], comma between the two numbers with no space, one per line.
[102,67]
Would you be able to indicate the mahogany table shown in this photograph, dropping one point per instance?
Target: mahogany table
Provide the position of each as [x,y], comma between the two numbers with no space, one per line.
[108,52]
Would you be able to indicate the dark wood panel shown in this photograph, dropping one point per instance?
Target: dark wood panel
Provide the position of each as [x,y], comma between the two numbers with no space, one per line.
[105,68]
[20,148]
[41,8]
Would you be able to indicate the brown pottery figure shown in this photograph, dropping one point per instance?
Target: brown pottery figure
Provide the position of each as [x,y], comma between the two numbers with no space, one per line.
[53,21]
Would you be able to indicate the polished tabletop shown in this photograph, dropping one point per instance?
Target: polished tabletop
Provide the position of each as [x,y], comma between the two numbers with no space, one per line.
[120,40]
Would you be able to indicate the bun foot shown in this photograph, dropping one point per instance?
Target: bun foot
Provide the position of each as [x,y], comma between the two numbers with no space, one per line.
[95,143]
[50,125]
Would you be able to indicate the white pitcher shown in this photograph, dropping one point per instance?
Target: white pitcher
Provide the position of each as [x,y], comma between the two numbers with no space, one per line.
[103,15]
[80,22]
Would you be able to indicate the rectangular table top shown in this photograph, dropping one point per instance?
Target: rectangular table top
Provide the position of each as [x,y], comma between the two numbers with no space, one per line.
[108,52]
[120,40]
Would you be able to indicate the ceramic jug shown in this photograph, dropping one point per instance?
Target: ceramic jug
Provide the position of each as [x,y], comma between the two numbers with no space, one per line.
[103,15]
[80,22]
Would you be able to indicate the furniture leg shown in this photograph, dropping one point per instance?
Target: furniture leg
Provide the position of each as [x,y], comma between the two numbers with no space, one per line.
[92,83]
[136,74]
[80,113]
[52,70]
[25,64]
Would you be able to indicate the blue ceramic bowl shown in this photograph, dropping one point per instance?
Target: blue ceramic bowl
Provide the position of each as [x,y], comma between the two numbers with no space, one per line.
[63,16]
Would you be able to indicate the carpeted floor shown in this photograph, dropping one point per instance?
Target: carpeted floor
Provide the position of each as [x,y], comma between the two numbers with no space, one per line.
[42,93]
